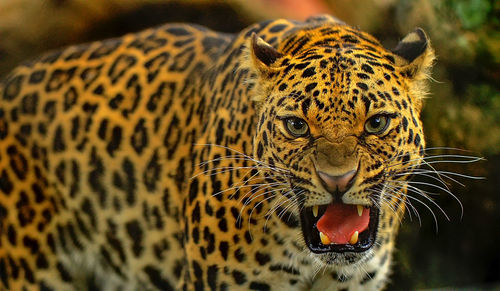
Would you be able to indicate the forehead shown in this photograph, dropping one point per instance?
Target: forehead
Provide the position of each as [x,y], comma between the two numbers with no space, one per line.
[343,78]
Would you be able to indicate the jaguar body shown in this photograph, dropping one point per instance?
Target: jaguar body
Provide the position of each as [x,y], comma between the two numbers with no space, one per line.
[179,158]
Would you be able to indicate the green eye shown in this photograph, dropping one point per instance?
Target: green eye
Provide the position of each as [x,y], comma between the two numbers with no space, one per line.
[296,126]
[377,124]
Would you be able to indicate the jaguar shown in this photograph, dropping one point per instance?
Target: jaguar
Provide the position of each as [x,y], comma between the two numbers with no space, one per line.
[180,158]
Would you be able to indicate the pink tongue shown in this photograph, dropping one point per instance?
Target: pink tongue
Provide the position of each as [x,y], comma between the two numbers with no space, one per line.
[340,221]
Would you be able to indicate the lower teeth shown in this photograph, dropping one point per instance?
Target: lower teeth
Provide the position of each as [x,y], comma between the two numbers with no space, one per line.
[354,238]
[324,238]
[326,241]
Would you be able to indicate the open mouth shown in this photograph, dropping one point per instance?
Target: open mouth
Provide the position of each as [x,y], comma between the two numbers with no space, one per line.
[339,227]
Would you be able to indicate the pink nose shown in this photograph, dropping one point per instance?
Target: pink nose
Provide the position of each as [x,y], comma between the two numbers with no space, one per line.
[334,184]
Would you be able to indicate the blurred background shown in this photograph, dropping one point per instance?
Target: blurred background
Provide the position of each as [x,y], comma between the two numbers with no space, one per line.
[463,110]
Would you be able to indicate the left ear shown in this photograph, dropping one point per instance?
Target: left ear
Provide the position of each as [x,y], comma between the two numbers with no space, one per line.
[415,57]
[260,60]
[262,54]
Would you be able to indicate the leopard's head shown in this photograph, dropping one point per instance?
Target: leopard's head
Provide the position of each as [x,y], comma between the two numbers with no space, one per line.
[339,120]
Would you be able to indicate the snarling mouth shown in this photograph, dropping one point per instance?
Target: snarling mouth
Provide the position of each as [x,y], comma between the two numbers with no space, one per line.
[339,227]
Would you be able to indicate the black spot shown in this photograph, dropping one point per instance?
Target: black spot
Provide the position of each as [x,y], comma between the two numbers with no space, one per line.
[75,175]
[310,87]
[262,258]
[39,195]
[388,67]
[127,183]
[255,285]
[283,87]
[18,162]
[29,104]
[405,159]
[410,136]
[248,237]
[308,72]
[305,106]
[114,141]
[405,104]
[41,261]
[120,66]
[12,87]
[195,214]
[37,76]
[99,90]
[362,86]
[59,144]
[103,128]
[286,269]
[116,244]
[223,248]
[154,65]
[4,126]
[70,98]
[182,60]
[219,134]
[405,123]
[223,224]
[88,209]
[156,278]
[239,277]
[363,76]
[12,235]
[367,68]
[212,277]
[135,234]
[139,138]
[417,140]
[115,102]
[198,274]
[277,28]
[260,150]
[177,31]
[96,176]
[368,277]
[152,173]
[6,185]
[105,48]
[195,234]
[239,254]
[350,38]
[65,276]
[193,190]
[89,75]
[58,78]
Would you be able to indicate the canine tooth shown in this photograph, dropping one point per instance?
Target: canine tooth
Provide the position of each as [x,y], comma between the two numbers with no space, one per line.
[360,209]
[324,239]
[315,210]
[354,238]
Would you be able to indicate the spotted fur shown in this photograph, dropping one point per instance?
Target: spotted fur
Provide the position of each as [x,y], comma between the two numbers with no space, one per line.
[160,160]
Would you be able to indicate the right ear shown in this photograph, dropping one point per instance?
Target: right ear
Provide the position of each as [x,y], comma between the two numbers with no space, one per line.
[262,54]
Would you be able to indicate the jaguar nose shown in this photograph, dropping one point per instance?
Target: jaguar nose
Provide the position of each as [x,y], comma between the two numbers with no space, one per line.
[337,184]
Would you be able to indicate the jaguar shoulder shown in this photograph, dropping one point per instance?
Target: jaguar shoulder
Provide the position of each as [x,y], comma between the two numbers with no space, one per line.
[182,158]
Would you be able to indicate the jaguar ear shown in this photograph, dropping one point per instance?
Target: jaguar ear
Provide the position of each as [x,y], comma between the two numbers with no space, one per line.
[260,61]
[414,55]
[263,55]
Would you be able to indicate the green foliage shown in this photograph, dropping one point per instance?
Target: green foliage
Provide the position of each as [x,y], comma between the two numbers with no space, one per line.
[472,13]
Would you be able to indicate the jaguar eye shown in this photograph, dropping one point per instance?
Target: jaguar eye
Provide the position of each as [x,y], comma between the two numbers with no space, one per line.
[377,124]
[296,126]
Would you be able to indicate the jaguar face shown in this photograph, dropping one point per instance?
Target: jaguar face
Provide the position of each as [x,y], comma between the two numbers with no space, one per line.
[344,124]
